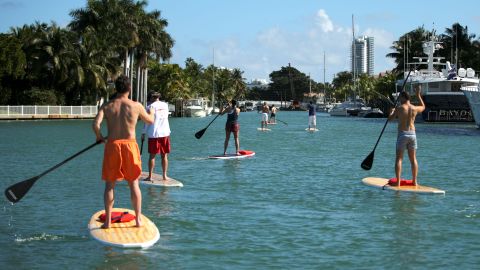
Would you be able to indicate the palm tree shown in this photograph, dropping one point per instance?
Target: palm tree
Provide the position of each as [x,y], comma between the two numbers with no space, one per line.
[410,45]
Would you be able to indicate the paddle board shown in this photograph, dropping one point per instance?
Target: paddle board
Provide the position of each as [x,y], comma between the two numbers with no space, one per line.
[243,154]
[157,180]
[271,123]
[311,129]
[124,234]
[383,184]
[263,129]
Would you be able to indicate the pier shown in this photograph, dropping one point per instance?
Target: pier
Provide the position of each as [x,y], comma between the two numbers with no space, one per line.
[34,112]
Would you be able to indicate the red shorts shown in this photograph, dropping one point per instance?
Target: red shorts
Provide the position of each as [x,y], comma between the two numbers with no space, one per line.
[232,127]
[159,145]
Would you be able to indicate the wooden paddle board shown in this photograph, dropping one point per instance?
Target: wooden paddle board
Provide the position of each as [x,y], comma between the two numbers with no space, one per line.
[311,129]
[383,184]
[264,129]
[125,234]
[157,180]
[243,154]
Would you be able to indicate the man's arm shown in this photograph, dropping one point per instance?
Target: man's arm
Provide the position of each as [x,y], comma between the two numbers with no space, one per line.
[146,117]
[96,125]
[393,114]
[418,91]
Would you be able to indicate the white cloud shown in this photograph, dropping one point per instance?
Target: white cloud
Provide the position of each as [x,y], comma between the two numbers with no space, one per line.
[324,21]
[272,48]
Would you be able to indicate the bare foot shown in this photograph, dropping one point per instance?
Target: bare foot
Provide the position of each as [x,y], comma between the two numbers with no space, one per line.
[138,221]
[147,179]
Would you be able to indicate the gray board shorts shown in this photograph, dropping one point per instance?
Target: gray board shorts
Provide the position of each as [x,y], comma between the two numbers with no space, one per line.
[407,140]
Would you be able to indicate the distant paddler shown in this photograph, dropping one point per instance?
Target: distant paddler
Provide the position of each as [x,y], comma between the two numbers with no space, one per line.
[407,139]
[265,111]
[312,117]
[231,125]
[273,114]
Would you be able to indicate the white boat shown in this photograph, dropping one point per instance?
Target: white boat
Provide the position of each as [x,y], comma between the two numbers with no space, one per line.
[198,107]
[473,96]
[349,108]
[444,101]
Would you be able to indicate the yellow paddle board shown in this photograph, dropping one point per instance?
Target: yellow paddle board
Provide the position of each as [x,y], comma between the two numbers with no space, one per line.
[383,184]
[125,234]
[157,180]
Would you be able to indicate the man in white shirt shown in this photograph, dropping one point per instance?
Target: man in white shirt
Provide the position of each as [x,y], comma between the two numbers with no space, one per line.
[158,134]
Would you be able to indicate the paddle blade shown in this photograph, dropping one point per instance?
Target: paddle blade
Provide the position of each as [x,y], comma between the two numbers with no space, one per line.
[15,192]
[368,161]
[199,134]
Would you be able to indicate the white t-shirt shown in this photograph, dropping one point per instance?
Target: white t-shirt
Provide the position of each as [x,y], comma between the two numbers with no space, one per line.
[160,127]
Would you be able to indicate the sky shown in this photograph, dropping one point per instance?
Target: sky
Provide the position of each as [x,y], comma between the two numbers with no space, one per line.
[261,36]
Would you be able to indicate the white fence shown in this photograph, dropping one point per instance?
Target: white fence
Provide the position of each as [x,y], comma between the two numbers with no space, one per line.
[23,110]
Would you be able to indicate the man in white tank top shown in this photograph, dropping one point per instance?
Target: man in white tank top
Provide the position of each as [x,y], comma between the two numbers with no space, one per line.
[158,134]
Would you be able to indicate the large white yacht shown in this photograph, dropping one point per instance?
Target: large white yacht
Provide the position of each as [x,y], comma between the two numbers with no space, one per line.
[473,96]
[444,100]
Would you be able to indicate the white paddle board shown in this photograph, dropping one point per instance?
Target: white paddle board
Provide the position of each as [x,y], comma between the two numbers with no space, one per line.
[243,154]
[263,129]
[157,180]
[383,184]
[311,129]
[125,234]
[271,123]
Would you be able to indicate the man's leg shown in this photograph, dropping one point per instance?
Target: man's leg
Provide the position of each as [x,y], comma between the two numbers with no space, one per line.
[136,198]
[151,165]
[225,144]
[237,141]
[108,200]
[165,165]
[398,165]
[413,162]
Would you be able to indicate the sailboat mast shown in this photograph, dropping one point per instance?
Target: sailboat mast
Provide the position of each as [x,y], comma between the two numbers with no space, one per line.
[324,86]
[353,61]
[213,79]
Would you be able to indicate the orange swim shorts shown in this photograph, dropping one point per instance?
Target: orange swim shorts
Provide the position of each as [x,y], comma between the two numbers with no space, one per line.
[121,160]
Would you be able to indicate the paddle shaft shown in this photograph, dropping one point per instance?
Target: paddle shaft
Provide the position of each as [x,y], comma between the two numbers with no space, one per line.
[281,121]
[141,144]
[395,103]
[68,159]
[15,192]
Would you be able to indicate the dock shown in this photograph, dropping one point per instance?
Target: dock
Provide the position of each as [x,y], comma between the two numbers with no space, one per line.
[34,112]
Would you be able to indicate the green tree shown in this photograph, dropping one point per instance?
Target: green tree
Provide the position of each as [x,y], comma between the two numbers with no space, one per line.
[408,44]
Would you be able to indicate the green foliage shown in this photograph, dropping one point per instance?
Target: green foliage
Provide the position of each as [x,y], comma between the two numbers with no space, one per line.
[39,97]
[12,58]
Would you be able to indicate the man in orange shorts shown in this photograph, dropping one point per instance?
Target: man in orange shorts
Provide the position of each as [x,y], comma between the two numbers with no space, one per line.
[121,158]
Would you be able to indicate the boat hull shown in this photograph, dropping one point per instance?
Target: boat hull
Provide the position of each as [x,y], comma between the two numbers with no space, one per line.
[452,107]
[473,98]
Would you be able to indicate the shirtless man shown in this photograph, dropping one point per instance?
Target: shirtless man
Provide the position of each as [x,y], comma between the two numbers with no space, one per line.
[265,111]
[121,158]
[406,113]
[273,115]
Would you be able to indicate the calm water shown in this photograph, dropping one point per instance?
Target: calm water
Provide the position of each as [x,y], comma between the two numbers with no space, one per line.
[298,204]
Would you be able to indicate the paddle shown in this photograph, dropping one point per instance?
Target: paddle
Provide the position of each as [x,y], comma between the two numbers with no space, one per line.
[141,145]
[368,161]
[199,134]
[15,192]
[281,121]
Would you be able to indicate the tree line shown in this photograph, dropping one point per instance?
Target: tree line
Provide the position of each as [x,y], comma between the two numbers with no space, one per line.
[45,64]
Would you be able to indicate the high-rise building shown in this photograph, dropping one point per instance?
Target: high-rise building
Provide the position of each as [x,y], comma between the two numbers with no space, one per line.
[362,55]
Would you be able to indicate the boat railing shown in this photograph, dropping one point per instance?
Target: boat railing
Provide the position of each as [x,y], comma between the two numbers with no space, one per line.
[36,110]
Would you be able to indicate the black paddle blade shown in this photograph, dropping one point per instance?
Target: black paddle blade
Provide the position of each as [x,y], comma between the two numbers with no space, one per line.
[368,161]
[15,192]
[199,134]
